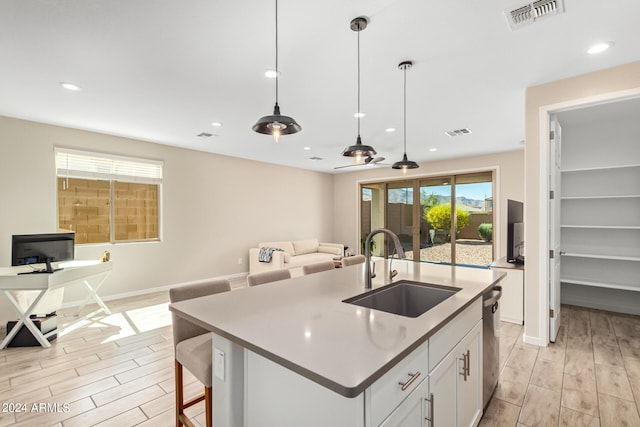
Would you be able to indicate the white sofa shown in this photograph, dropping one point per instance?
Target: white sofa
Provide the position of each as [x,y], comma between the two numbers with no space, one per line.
[294,255]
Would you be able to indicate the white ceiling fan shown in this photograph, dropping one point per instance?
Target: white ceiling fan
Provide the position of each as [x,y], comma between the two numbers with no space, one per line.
[368,161]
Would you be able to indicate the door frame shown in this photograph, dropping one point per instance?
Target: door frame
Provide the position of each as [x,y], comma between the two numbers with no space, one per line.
[545,113]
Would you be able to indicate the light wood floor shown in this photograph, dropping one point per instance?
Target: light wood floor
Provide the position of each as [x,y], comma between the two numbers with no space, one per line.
[589,377]
[118,371]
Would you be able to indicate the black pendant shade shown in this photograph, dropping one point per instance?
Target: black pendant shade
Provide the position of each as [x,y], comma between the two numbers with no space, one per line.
[276,124]
[359,150]
[405,163]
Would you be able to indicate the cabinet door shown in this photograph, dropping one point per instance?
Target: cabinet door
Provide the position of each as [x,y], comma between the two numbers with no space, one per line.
[442,388]
[512,300]
[469,387]
[412,412]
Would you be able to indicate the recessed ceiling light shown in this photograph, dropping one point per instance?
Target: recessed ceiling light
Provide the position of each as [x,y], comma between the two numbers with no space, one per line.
[433,149]
[390,130]
[70,86]
[360,114]
[216,124]
[599,48]
[272,74]
[307,148]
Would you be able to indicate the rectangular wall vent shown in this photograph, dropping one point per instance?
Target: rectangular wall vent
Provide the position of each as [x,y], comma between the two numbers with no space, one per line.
[531,12]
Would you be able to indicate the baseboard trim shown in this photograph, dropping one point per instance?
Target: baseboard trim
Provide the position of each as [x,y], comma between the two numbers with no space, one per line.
[147,291]
[528,339]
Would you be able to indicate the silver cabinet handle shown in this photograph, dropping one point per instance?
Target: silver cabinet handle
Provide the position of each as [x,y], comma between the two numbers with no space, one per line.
[430,400]
[464,366]
[468,364]
[412,378]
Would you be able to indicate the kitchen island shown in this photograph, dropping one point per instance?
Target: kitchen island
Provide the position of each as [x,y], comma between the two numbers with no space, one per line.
[293,353]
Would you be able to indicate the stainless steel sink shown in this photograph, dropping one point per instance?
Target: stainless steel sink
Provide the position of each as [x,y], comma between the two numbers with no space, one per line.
[405,298]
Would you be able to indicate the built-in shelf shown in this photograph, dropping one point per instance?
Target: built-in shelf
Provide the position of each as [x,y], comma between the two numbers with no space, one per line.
[600,284]
[599,198]
[623,196]
[603,227]
[601,256]
[598,168]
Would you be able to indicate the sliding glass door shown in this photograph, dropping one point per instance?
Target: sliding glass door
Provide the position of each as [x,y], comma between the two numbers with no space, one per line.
[446,219]
[400,215]
[435,215]
[474,209]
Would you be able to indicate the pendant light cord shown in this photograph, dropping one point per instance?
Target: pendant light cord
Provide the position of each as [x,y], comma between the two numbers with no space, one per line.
[277,71]
[358,112]
[405,109]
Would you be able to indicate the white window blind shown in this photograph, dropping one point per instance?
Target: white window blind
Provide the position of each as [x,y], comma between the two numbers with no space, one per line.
[82,164]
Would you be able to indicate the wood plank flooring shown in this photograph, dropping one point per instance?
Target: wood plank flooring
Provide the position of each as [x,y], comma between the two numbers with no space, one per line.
[589,377]
[118,371]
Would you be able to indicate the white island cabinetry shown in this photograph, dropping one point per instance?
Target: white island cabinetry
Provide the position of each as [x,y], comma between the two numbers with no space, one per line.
[401,397]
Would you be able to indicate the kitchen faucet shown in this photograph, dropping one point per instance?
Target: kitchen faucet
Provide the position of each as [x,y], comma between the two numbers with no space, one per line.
[367,252]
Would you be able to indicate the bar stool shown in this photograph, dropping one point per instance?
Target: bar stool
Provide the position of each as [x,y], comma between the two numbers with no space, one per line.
[192,347]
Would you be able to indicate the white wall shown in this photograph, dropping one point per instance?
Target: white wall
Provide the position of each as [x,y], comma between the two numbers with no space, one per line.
[540,100]
[509,185]
[214,208]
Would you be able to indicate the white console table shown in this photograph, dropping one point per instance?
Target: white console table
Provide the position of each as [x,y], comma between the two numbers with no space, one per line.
[90,274]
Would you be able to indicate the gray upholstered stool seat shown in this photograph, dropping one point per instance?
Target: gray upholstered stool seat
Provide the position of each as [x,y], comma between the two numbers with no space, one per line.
[195,355]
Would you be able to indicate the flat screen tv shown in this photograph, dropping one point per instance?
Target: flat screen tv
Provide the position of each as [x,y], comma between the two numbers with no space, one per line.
[515,232]
[42,248]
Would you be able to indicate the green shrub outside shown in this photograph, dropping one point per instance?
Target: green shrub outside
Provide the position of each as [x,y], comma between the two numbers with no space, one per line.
[439,217]
[485,231]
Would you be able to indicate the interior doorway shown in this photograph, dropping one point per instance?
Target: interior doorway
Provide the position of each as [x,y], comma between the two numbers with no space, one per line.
[594,210]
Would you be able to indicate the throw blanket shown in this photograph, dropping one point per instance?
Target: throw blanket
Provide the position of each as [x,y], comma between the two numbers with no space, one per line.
[265,254]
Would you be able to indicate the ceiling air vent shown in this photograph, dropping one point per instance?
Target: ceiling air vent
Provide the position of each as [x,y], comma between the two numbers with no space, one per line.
[315,158]
[531,12]
[204,135]
[459,132]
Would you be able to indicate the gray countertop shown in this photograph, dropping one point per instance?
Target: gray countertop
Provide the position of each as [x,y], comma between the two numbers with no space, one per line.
[302,323]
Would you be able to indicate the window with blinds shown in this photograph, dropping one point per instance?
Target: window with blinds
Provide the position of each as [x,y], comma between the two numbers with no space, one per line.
[107,199]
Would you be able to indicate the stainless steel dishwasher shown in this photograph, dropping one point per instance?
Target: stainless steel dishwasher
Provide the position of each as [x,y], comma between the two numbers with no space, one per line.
[490,342]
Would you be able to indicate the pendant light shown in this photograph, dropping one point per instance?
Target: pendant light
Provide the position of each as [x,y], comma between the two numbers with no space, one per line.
[276,124]
[359,150]
[405,163]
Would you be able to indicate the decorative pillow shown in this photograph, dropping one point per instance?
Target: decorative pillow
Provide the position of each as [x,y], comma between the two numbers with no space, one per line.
[305,246]
[285,246]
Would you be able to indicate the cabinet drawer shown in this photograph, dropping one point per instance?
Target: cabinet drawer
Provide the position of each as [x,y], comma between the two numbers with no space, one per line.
[446,338]
[394,386]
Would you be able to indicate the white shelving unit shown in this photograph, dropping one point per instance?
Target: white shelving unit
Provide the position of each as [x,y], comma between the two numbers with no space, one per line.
[600,214]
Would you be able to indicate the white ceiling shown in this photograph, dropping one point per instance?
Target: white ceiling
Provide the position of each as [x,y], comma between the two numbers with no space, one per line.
[163,70]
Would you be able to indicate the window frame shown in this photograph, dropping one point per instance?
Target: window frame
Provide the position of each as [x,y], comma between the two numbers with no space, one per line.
[112,168]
